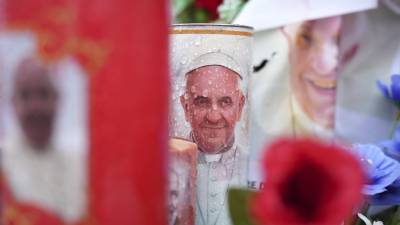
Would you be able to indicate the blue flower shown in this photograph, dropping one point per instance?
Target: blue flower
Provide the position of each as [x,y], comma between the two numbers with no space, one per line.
[392,147]
[383,173]
[390,197]
[393,92]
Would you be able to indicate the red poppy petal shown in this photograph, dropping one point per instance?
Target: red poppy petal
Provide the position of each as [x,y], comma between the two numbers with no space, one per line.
[308,183]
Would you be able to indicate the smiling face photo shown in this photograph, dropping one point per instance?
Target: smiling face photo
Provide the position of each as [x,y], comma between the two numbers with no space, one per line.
[213,104]
[314,61]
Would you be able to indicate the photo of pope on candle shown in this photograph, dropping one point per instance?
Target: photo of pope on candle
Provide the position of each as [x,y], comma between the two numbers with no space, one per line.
[43,157]
[209,103]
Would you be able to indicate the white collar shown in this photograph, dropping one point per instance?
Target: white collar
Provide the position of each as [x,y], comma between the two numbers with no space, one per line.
[212,157]
[50,171]
[17,145]
[209,158]
[221,157]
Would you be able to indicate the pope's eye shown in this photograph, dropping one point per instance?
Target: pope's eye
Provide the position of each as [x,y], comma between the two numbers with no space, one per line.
[225,101]
[305,37]
[305,40]
[24,95]
[201,101]
[44,94]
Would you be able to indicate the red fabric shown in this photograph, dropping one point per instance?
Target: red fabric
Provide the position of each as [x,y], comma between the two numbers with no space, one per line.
[19,214]
[16,213]
[308,183]
[123,47]
[53,21]
[129,104]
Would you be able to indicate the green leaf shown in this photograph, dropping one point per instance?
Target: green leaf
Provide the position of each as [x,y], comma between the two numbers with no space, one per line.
[395,220]
[389,216]
[192,15]
[229,9]
[239,201]
[200,16]
[178,6]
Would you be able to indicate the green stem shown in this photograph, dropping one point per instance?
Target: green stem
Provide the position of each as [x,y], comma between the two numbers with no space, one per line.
[395,219]
[396,122]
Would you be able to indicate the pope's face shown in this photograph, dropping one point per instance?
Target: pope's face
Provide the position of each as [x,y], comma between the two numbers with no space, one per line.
[314,63]
[213,105]
[35,103]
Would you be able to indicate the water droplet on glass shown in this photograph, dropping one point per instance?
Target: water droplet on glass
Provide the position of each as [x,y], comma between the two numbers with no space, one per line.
[197,42]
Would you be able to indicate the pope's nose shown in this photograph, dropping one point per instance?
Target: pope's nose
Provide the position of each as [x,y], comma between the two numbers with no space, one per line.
[214,115]
[325,60]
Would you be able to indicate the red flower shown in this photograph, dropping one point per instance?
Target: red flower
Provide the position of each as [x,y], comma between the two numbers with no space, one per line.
[211,6]
[308,183]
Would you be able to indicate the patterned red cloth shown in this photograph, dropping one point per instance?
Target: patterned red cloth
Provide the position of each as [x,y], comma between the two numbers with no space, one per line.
[123,47]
